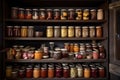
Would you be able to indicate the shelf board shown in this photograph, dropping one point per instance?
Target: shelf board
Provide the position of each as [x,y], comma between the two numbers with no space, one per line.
[43,38]
[55,61]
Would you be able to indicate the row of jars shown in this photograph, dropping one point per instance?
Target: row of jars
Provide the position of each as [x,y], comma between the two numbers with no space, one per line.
[56,70]
[57,14]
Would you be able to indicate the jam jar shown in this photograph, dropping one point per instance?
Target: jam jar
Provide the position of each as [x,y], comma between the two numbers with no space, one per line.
[57,55]
[36,72]
[66,72]
[80,71]
[28,14]
[56,14]
[71,47]
[58,71]
[49,31]
[78,31]
[38,54]
[93,14]
[24,31]
[85,31]
[21,73]
[64,31]
[14,12]
[51,72]
[76,47]
[49,14]
[64,53]
[64,14]
[101,71]
[30,31]
[95,55]
[29,72]
[99,31]
[16,31]
[94,72]
[9,31]
[21,13]
[35,14]
[30,54]
[87,72]
[78,14]
[9,71]
[70,31]
[100,14]
[86,14]
[91,31]
[71,14]
[42,14]
[56,31]
[43,72]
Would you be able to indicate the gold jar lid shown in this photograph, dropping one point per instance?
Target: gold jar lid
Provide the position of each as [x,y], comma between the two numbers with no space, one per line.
[98,26]
[70,26]
[91,26]
[63,26]
[49,26]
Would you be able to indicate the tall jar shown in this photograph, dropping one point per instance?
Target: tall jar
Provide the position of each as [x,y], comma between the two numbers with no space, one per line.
[66,72]
[35,14]
[91,31]
[99,31]
[87,72]
[64,31]
[30,31]
[29,72]
[24,31]
[16,31]
[21,13]
[85,31]
[43,72]
[71,14]
[80,71]
[73,72]
[86,14]
[56,31]
[49,14]
[49,31]
[56,14]
[70,31]
[78,31]
[100,14]
[64,14]
[94,72]
[93,14]
[76,47]
[79,14]
[51,72]
[36,72]
[28,14]
[9,31]
[8,71]
[101,72]
[42,14]
[58,72]
[14,12]
[67,46]
[38,55]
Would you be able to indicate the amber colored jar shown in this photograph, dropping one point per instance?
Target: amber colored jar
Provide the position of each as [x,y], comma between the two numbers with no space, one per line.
[76,47]
[49,14]
[21,73]
[95,55]
[71,14]
[78,31]
[56,14]
[18,54]
[14,12]
[42,14]
[43,72]
[28,14]
[8,71]
[51,72]
[93,14]
[67,46]
[86,72]
[38,55]
[24,31]
[71,47]
[29,72]
[86,14]
[85,31]
[9,31]
[94,72]
[101,72]
[79,14]
[66,72]
[71,31]
[21,13]
[49,31]
[58,72]
[36,73]
[99,31]
[64,14]
[16,31]
[64,31]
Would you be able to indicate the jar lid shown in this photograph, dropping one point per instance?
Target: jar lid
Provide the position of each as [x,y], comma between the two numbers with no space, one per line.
[70,26]
[71,43]
[56,26]
[14,72]
[21,46]
[63,26]
[9,67]
[24,26]
[63,49]
[76,44]
[16,26]
[21,70]
[85,27]
[17,49]
[66,67]
[42,9]
[100,45]
[37,51]
[28,9]
[56,52]
[36,68]
[15,46]
[93,68]
[78,9]
[63,9]
[14,7]
[21,9]
[29,68]
[70,9]
[9,26]
[77,26]
[86,9]
[100,9]
[49,26]
[35,9]
[66,43]
[51,42]
[93,10]
[30,26]
[49,9]
[91,26]
[101,67]
[98,26]
[56,9]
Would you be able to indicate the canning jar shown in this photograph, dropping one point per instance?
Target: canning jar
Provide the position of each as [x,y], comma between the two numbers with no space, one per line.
[18,54]
[82,47]
[101,72]
[85,31]
[100,14]
[64,31]
[16,31]
[78,31]
[91,31]
[73,72]
[49,14]
[58,72]
[9,31]
[24,31]
[42,14]
[51,72]
[64,14]
[25,53]
[43,72]
[35,14]
[93,14]
[80,71]
[36,72]
[70,31]
[64,53]
[28,14]
[71,47]
[101,52]
[57,55]
[76,47]
[71,14]
[99,31]
[14,74]
[21,13]
[38,55]
[9,71]
[30,31]
[67,46]
[30,54]
[21,73]
[87,72]
[95,55]
[89,52]
[56,14]
[14,12]
[56,31]
[49,31]
[29,72]
[94,72]
[86,14]
[66,72]
[79,14]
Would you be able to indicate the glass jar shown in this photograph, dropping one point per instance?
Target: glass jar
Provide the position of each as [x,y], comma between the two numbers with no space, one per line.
[36,72]
[88,52]
[29,72]
[66,72]
[94,72]
[51,72]
[93,14]
[38,55]
[16,31]
[64,31]
[73,72]
[25,54]
[86,14]
[101,72]
[30,31]
[58,72]
[67,46]
[56,14]
[85,31]
[43,72]
[91,31]
[24,31]
[71,47]
[57,55]
[78,31]
[8,71]
[76,47]
[56,31]
[99,31]
[46,51]
[64,14]
[49,14]
[18,54]
[87,72]
[9,31]
[80,71]
[35,14]
[21,73]
[101,52]
[30,54]
[70,31]
[28,14]
[14,12]
[95,55]
[21,13]
[49,31]
[71,14]
[42,14]
[64,53]
[14,74]
[79,14]
[100,14]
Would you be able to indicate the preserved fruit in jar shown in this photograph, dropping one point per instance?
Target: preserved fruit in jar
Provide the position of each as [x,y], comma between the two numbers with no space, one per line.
[29,72]
[36,73]
[99,31]
[38,55]
[91,31]
[100,14]
[79,14]
[35,14]
[21,13]
[49,31]
[71,14]
[42,14]
[86,14]
[64,31]
[56,14]
[87,72]
[24,31]
[28,14]
[78,31]
[66,72]
[8,71]
[50,72]
[9,31]
[30,31]
[84,31]
[64,14]
[70,31]
[49,14]
[76,47]
[93,14]
[73,72]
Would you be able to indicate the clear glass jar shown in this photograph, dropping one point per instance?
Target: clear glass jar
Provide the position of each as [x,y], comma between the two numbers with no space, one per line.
[94,72]
[80,71]
[56,14]
[71,47]
[101,72]
[21,73]
[51,72]
[9,71]
[78,31]
[58,72]
[99,31]
[85,31]
[18,54]
[24,31]
[29,72]
[56,31]
[67,46]
[57,55]
[49,14]
[64,53]
[91,31]
[86,14]
[42,14]
[71,14]
[101,52]
[64,31]
[43,72]
[76,47]
[14,74]
[100,14]
[30,31]
[21,13]
[79,14]
[73,72]
[16,31]
[30,54]
[70,31]
[93,14]
[14,12]
[25,54]
[28,14]
[66,72]
[87,72]
[38,55]
[36,72]
[35,14]
[49,31]
[9,31]
[64,14]
[95,55]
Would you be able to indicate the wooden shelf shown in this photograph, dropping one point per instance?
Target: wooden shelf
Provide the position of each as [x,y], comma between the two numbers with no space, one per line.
[55,61]
[43,38]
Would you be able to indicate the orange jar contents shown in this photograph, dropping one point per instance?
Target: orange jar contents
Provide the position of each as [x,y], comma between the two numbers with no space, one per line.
[24,31]
[50,72]
[43,72]
[38,55]
[76,47]
[28,14]
[8,71]
[99,31]
[21,14]
[36,72]
[71,47]
[86,72]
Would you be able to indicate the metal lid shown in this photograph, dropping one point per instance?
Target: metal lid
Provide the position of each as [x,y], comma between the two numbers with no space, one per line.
[78,9]
[77,26]
[35,9]
[56,26]
[49,26]
[98,26]
[42,9]
[56,9]
[49,9]
[14,7]
[70,26]
[63,49]
[16,26]
[21,9]
[30,26]
[85,27]
[100,9]
[10,26]
[93,10]
[28,9]
[70,9]
[63,26]
[24,26]
[86,9]
[91,26]
[63,9]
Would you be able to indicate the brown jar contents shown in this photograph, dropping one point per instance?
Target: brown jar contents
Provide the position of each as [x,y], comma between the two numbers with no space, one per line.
[56,14]
[71,14]
[101,72]
[24,31]
[43,72]
[86,72]
[99,31]
[71,47]
[14,13]
[29,72]
[78,31]
[101,52]
[93,14]
[67,46]
[79,14]
[21,14]
[50,72]
[16,31]
[28,14]
[66,72]
[64,14]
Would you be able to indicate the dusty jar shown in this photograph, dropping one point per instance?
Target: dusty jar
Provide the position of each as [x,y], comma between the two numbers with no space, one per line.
[21,13]
[86,14]
[64,31]
[79,14]
[49,31]
[14,12]
[70,31]
[100,14]
[56,14]
[93,14]
[99,31]
[78,31]
[85,31]
[28,14]
[91,31]
[56,31]
[24,31]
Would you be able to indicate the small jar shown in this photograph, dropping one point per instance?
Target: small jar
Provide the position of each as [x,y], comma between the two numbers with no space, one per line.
[56,31]
[56,14]
[29,72]
[67,46]
[70,31]
[51,72]
[35,14]
[85,31]
[100,14]
[38,55]
[18,54]
[14,74]
[101,52]
[101,72]
[63,31]
[57,55]
[71,14]
[43,72]
[49,31]
[73,72]
[91,31]
[21,73]
[80,71]
[64,14]
[24,31]
[87,72]
[58,72]
[66,72]
[30,31]
[9,31]
[64,53]
[99,31]
[94,72]
[42,14]
[36,72]
[71,47]
[86,14]
[93,14]
[95,55]
[8,71]
[76,47]
[21,13]
[78,31]
[79,14]
[49,14]
[28,14]
[16,31]
[14,12]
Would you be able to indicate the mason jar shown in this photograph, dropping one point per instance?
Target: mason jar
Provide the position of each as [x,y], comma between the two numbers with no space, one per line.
[49,14]
[99,31]
[14,12]
[79,14]
[24,31]
[56,31]
[30,31]
[35,14]
[64,31]
[28,14]
[21,13]
[85,31]
[71,14]
[49,31]
[56,14]
[91,31]
[78,31]
[64,14]
[42,14]
[100,15]
[86,14]
[70,31]
[93,14]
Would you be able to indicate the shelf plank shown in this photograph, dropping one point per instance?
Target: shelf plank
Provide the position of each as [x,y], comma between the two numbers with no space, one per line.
[44,38]
[55,61]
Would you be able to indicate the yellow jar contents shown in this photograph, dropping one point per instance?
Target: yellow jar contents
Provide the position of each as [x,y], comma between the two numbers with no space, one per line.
[36,73]
[73,72]
[86,73]
[84,31]
[86,14]
[49,31]
[63,31]
[38,55]
[8,71]
[70,31]
[24,31]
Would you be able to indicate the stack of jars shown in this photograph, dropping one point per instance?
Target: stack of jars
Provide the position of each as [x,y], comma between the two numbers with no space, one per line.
[74,31]
[64,70]
[57,14]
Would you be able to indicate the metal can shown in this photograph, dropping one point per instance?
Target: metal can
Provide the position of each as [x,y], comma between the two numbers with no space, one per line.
[85,31]
[56,31]
[79,14]
[64,14]
[91,31]
[64,31]
[78,31]
[70,31]
[71,14]
[99,31]
[49,31]
[86,14]
[100,15]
